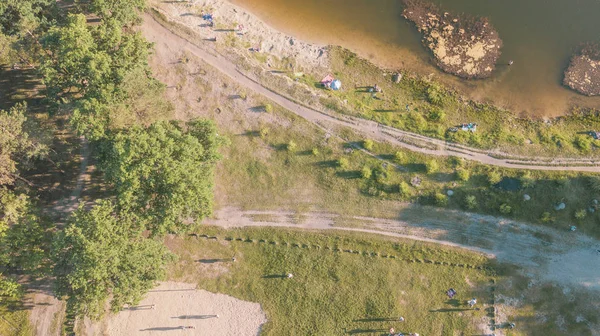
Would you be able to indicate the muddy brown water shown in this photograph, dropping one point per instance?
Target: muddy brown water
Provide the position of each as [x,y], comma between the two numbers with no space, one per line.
[539,36]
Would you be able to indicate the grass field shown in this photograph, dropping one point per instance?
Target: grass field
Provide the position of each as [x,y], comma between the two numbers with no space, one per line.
[333,293]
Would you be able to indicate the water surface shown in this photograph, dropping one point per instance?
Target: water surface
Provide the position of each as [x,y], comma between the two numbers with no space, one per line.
[540,36]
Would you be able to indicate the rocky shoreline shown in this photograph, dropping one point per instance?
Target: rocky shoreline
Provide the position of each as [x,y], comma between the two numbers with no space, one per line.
[583,73]
[463,46]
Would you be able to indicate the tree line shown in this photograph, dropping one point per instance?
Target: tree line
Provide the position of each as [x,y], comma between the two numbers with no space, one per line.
[94,68]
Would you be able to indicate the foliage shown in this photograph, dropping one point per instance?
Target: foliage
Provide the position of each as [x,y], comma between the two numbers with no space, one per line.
[404,189]
[580,214]
[264,131]
[19,15]
[268,108]
[123,11]
[399,157]
[436,115]
[583,143]
[471,202]
[163,174]
[343,163]
[16,145]
[368,144]
[440,199]
[435,94]
[546,217]
[594,183]
[462,174]
[432,166]
[314,151]
[291,146]
[100,257]
[366,172]
[505,209]
[494,177]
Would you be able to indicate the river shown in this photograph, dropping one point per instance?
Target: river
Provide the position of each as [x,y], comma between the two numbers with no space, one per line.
[540,36]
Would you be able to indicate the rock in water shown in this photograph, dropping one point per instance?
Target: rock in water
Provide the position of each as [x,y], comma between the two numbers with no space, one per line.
[465,47]
[583,73]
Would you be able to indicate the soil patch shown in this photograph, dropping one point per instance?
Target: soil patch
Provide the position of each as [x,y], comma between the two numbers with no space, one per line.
[583,73]
[467,47]
[173,306]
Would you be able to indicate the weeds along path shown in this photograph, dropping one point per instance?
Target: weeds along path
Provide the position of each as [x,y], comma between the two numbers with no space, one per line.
[167,40]
[548,255]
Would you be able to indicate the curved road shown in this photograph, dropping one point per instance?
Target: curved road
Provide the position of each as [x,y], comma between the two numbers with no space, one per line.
[157,33]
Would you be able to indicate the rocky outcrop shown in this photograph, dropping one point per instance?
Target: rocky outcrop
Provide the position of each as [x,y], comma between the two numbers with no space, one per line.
[583,73]
[465,47]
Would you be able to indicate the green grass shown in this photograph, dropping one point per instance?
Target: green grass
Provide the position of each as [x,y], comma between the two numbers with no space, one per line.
[331,291]
[15,321]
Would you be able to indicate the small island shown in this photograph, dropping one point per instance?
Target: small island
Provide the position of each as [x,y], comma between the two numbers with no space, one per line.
[583,73]
[463,46]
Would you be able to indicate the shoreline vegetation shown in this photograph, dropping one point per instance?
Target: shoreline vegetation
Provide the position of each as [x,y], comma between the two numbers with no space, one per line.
[583,73]
[467,47]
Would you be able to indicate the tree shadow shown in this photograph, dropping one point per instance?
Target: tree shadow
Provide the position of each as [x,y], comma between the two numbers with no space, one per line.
[224,30]
[377,319]
[453,303]
[161,329]
[196,317]
[274,276]
[365,331]
[349,175]
[449,310]
[212,261]
[327,164]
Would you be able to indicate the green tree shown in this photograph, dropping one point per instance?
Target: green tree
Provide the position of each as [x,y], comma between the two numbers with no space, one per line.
[404,189]
[343,163]
[164,173]
[366,172]
[19,15]
[368,144]
[462,174]
[494,177]
[125,12]
[100,257]
[440,199]
[16,144]
[505,209]
[399,157]
[580,214]
[291,146]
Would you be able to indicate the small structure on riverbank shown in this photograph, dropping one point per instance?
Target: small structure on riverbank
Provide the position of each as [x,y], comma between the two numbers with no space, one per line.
[583,73]
[463,46]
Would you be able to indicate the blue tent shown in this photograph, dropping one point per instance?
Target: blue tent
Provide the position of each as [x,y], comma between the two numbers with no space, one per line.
[336,84]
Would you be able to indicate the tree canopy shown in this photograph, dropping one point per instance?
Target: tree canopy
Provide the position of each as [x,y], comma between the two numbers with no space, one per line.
[124,11]
[164,174]
[100,259]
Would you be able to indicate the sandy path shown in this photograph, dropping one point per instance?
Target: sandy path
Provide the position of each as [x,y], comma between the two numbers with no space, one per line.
[167,41]
[565,258]
[180,305]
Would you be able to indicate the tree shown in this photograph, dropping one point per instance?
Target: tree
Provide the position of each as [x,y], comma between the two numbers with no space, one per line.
[163,174]
[440,199]
[399,157]
[16,15]
[368,144]
[471,202]
[366,172]
[100,257]
[126,12]
[462,174]
[505,209]
[494,177]
[16,145]
[343,163]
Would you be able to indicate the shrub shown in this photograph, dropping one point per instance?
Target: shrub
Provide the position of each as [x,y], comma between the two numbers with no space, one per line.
[494,177]
[343,163]
[366,172]
[546,217]
[291,146]
[415,122]
[435,94]
[455,161]
[440,199]
[594,183]
[436,115]
[368,144]
[264,132]
[268,108]
[462,174]
[583,143]
[505,209]
[580,214]
[471,202]
[243,95]
[315,151]
[431,166]
[400,157]
[404,189]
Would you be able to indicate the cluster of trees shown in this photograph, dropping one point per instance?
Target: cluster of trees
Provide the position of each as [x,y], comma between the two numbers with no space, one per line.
[161,171]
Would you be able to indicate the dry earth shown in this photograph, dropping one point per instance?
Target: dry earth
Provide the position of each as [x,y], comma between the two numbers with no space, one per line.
[179,305]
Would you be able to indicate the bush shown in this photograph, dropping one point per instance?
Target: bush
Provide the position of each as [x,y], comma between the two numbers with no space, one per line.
[471,202]
[400,157]
[580,214]
[494,177]
[404,189]
[440,199]
[462,174]
[436,115]
[435,94]
[594,183]
[368,144]
[455,161]
[315,151]
[431,166]
[243,95]
[366,172]
[343,163]
[583,143]
[546,217]
[291,146]
[268,108]
[264,132]
[415,122]
[505,209]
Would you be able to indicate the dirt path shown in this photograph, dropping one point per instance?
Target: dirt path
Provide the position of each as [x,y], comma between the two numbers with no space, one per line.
[167,40]
[565,258]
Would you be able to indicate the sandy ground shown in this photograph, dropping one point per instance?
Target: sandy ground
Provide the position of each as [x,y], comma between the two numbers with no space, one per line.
[178,305]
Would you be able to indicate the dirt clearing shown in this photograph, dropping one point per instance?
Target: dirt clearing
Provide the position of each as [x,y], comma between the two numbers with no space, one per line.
[175,308]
